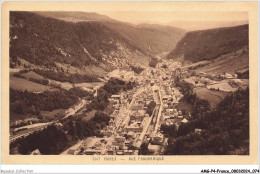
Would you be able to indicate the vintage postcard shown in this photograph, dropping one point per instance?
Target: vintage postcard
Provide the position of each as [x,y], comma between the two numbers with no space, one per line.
[129,83]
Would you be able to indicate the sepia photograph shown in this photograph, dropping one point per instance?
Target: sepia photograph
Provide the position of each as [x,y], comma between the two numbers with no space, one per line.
[147,84]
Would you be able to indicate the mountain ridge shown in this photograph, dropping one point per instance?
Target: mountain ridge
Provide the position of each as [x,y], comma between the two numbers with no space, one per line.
[46,41]
[209,44]
[141,35]
[77,16]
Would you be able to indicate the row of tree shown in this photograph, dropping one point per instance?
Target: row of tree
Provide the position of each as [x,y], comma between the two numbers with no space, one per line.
[150,107]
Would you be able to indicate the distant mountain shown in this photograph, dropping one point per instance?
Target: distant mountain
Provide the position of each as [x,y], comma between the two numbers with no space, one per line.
[209,44]
[204,25]
[151,38]
[89,41]
[74,16]
[47,41]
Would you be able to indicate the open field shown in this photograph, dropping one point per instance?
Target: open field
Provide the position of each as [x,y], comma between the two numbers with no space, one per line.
[32,75]
[240,83]
[67,85]
[21,84]
[222,86]
[53,113]
[227,63]
[89,115]
[214,97]
[64,85]
[89,84]
[194,65]
[13,70]
[32,126]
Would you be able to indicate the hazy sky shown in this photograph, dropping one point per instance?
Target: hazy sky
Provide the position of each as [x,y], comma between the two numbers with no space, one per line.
[186,15]
[166,17]
[187,20]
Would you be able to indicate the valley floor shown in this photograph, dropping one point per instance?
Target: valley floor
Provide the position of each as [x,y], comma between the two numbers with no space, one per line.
[139,118]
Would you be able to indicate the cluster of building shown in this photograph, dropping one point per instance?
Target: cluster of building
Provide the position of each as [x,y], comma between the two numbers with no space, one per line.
[127,128]
[228,76]
[104,146]
[131,125]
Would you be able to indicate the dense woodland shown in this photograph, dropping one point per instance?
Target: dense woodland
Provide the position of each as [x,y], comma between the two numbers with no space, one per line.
[43,41]
[31,103]
[209,44]
[24,102]
[153,62]
[152,39]
[224,130]
[200,106]
[56,138]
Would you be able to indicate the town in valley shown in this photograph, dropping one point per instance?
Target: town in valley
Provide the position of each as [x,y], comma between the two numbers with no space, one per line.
[82,87]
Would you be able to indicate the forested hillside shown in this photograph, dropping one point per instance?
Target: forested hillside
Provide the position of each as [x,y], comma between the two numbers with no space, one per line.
[46,41]
[152,39]
[222,131]
[201,45]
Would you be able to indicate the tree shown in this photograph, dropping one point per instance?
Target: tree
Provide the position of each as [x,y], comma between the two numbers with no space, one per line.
[144,149]
[150,108]
[164,66]
[153,62]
